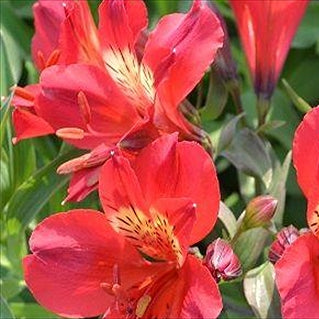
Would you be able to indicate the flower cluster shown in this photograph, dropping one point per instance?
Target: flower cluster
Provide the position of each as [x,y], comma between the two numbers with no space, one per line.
[118,92]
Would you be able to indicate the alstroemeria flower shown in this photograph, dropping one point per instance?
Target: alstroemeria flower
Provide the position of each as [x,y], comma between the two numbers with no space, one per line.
[297,271]
[266,29]
[81,266]
[113,96]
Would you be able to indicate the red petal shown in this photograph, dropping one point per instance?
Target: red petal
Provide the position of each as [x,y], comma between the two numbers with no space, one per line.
[167,168]
[121,22]
[48,16]
[297,278]
[202,299]
[306,152]
[306,161]
[73,253]
[78,40]
[119,187]
[111,113]
[140,135]
[27,125]
[181,215]
[82,184]
[25,97]
[267,29]
[182,47]
[191,293]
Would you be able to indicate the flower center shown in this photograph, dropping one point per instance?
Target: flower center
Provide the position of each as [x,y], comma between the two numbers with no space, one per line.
[152,236]
[135,79]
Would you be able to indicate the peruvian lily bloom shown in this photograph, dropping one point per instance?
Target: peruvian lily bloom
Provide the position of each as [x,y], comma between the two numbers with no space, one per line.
[133,261]
[103,93]
[297,271]
[266,29]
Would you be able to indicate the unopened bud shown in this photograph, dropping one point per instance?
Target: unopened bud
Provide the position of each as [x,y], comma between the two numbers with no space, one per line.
[283,240]
[221,260]
[259,211]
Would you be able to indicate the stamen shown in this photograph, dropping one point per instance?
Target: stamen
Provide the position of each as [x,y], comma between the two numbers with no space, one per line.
[84,107]
[73,133]
[53,58]
[41,60]
[23,93]
[116,275]
[142,305]
[73,165]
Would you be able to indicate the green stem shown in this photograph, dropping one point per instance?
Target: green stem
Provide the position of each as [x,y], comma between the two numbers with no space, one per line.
[263,105]
[234,90]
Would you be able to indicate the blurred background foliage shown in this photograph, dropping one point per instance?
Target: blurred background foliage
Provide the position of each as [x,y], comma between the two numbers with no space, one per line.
[31,189]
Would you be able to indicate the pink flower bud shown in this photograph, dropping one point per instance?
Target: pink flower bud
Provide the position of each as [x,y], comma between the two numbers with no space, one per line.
[221,260]
[283,240]
[259,211]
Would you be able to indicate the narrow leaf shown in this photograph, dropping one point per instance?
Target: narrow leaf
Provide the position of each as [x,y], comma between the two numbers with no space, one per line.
[36,191]
[248,153]
[216,97]
[260,291]
[228,219]
[5,312]
[299,102]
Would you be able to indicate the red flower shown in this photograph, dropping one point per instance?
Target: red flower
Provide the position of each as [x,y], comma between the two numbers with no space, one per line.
[297,278]
[266,29]
[82,267]
[297,271]
[306,161]
[113,95]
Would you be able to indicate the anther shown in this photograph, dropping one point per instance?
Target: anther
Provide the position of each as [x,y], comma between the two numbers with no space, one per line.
[84,107]
[23,93]
[73,133]
[53,58]
[41,60]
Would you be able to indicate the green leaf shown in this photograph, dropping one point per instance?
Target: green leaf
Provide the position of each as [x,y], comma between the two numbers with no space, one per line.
[282,110]
[270,125]
[303,76]
[4,116]
[308,32]
[299,102]
[5,312]
[248,153]
[24,161]
[260,291]
[228,219]
[30,311]
[10,286]
[249,246]
[247,185]
[15,45]
[234,302]
[228,133]
[35,192]
[216,97]
[278,188]
[5,185]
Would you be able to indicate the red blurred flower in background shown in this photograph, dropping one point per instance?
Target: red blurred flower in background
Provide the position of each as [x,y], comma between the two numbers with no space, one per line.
[297,271]
[266,29]
[82,267]
[104,91]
